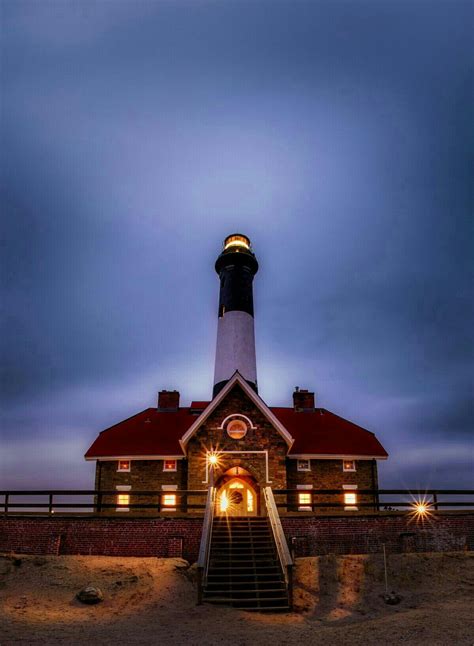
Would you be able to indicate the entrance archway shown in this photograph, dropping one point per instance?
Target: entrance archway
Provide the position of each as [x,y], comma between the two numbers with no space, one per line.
[236,497]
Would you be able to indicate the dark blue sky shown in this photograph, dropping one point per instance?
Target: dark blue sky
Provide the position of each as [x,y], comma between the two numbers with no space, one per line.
[136,135]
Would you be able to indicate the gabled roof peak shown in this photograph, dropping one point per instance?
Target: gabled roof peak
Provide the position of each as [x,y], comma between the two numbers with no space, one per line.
[237,379]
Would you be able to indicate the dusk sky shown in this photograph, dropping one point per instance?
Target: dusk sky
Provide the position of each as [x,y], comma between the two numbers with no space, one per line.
[137,135]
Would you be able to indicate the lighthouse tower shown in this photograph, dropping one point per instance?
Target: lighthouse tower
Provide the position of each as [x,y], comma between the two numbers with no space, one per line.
[236,267]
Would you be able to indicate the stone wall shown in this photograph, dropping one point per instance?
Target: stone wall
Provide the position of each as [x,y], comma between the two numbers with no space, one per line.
[144,475]
[329,474]
[264,438]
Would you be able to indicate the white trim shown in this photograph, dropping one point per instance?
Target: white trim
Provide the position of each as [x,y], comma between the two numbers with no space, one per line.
[329,456]
[299,468]
[124,488]
[119,470]
[206,481]
[168,488]
[258,401]
[350,489]
[250,423]
[354,468]
[170,470]
[304,488]
[111,458]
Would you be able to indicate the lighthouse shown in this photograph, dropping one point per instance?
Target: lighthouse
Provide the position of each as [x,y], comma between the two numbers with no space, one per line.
[235,349]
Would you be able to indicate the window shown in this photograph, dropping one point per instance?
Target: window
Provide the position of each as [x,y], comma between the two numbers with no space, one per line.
[168,498]
[169,465]
[123,465]
[348,465]
[305,498]
[304,465]
[236,429]
[350,497]
[123,498]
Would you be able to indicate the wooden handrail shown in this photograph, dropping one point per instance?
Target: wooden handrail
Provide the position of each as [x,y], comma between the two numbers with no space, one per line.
[205,545]
[284,555]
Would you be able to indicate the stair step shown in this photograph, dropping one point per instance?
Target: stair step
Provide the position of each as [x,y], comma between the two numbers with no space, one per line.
[245,569]
[283,599]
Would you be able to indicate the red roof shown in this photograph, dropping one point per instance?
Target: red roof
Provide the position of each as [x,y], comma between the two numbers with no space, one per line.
[156,433]
[199,405]
[325,433]
[150,432]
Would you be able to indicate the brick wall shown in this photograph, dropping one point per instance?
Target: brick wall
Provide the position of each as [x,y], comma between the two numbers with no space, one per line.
[364,534]
[160,537]
[307,535]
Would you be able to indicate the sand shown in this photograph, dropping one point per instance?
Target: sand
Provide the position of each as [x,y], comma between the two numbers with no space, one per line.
[153,601]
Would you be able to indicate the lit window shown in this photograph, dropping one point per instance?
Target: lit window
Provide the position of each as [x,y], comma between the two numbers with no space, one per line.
[304,465]
[169,465]
[123,465]
[348,465]
[123,498]
[350,497]
[169,498]
[305,498]
[224,502]
[236,429]
[250,505]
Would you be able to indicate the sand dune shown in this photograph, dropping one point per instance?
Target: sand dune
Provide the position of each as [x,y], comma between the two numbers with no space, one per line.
[153,601]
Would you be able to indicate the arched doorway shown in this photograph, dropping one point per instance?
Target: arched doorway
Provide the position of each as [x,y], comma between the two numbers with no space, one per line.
[236,497]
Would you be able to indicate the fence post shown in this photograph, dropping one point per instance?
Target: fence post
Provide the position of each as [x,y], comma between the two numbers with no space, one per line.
[7,496]
[435,501]
[50,508]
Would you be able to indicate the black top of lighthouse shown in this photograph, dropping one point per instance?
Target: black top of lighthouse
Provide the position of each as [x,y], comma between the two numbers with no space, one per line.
[237,250]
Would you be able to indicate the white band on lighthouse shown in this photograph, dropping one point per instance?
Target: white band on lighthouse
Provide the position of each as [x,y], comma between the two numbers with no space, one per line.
[235,347]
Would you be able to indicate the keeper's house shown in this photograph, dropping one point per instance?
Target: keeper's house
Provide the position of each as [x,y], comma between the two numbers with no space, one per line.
[236,441]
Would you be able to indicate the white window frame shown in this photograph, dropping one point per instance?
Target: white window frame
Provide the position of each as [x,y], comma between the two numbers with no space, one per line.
[165,470]
[119,470]
[165,489]
[304,488]
[300,468]
[123,489]
[353,468]
[350,489]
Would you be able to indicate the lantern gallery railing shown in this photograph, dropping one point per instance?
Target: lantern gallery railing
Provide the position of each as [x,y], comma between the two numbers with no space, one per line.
[169,501]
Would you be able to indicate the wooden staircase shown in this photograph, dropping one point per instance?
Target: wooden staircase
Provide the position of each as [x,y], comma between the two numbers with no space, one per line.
[244,570]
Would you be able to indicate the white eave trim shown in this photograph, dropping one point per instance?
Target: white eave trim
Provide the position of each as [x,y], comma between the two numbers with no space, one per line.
[334,456]
[258,401]
[110,458]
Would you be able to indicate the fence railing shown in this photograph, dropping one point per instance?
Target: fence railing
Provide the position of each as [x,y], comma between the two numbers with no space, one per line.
[374,499]
[205,545]
[284,556]
[88,501]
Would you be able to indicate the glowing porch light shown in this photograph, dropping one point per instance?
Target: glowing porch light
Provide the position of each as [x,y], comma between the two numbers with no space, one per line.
[420,508]
[213,459]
